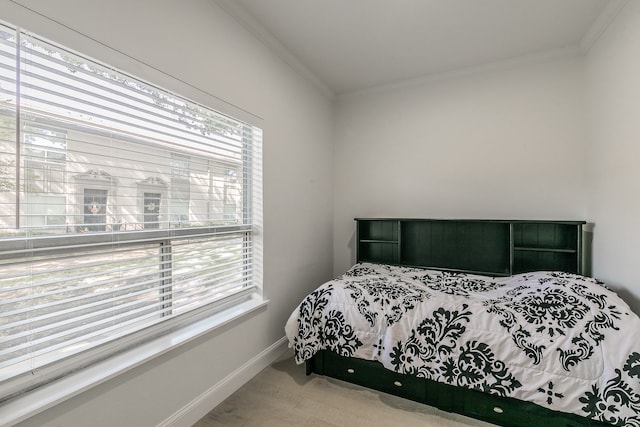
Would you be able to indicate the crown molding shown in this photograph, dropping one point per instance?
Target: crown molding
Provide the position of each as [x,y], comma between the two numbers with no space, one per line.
[249,23]
[593,34]
[597,29]
[600,25]
[540,57]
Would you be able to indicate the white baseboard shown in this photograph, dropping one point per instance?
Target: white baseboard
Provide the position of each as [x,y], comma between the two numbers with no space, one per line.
[189,414]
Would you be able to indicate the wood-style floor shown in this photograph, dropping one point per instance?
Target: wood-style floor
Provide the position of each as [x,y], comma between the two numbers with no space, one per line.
[282,395]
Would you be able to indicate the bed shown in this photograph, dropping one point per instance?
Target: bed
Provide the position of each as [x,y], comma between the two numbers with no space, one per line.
[493,319]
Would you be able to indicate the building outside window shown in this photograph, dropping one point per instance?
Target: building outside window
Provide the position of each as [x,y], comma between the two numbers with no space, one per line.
[45,154]
[95,209]
[180,192]
[152,207]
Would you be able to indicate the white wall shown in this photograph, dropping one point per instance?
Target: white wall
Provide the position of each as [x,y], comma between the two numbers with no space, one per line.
[613,111]
[198,43]
[500,144]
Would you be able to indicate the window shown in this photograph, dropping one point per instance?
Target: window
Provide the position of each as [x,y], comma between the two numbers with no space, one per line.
[125,210]
[180,190]
[44,169]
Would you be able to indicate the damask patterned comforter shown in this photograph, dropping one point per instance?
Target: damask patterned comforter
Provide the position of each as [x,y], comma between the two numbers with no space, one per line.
[560,340]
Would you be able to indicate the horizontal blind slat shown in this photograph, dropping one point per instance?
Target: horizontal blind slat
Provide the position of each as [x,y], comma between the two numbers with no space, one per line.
[187,294]
[217,268]
[131,92]
[19,361]
[203,280]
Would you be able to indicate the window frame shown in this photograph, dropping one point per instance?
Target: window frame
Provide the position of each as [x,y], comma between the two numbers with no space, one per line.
[142,345]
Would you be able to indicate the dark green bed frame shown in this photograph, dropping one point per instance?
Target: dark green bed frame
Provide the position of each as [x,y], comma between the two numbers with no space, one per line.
[488,247]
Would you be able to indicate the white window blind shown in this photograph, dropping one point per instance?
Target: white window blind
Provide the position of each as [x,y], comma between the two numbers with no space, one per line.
[123,208]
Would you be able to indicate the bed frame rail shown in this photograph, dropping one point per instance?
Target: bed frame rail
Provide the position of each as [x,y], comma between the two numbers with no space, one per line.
[503,411]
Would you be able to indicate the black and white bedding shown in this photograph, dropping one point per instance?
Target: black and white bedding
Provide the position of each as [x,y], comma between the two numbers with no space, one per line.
[559,340]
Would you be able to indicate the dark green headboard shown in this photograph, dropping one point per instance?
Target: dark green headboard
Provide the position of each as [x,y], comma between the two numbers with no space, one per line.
[489,247]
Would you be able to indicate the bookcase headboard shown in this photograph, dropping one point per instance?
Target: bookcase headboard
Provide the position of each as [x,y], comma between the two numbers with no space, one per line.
[488,247]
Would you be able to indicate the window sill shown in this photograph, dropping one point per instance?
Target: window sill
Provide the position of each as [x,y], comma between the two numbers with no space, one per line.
[31,403]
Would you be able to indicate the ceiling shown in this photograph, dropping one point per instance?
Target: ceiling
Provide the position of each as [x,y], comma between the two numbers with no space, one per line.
[348,46]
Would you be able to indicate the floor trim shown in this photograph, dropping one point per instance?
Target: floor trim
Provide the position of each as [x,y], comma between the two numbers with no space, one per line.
[193,411]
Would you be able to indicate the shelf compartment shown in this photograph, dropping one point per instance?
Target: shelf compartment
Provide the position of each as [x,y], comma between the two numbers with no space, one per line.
[378,241]
[525,261]
[548,235]
[547,246]
[378,230]
[378,251]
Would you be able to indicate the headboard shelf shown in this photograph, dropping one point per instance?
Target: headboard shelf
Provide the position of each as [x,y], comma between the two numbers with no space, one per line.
[489,247]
